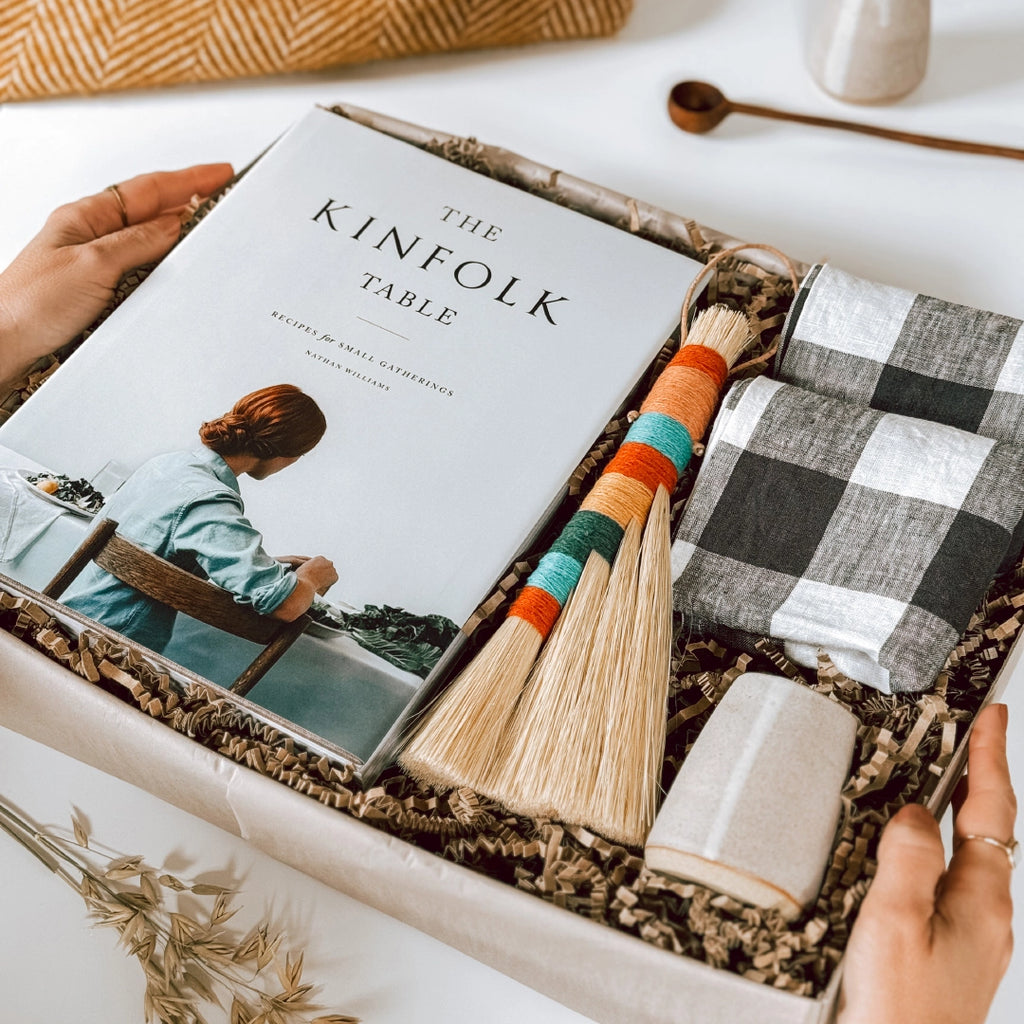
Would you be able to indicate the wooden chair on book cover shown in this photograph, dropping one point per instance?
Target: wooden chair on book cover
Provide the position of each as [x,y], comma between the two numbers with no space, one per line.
[171,585]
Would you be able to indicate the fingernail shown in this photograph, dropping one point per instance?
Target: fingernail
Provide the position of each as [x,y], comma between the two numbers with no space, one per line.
[914,814]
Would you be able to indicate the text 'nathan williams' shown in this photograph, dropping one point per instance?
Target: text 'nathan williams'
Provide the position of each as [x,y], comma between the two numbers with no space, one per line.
[345,350]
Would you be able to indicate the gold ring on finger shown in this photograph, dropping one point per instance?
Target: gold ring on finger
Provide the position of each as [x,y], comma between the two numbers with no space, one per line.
[1012,849]
[120,204]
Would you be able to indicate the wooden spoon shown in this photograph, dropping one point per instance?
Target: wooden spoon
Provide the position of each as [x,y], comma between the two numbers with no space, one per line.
[698,106]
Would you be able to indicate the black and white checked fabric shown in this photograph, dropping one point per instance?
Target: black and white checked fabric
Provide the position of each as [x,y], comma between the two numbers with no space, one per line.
[832,526]
[890,349]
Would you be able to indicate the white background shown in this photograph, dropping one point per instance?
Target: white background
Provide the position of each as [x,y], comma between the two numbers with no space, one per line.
[943,224]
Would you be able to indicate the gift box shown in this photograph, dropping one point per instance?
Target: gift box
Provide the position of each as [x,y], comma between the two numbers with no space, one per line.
[517,893]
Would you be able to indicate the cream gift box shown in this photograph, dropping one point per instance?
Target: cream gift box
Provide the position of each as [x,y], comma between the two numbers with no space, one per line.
[612,975]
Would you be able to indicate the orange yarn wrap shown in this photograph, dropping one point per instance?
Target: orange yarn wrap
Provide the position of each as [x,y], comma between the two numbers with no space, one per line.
[702,358]
[688,388]
[646,464]
[537,607]
[620,498]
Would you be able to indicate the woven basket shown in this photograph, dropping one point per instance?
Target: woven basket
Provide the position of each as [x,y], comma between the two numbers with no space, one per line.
[87,46]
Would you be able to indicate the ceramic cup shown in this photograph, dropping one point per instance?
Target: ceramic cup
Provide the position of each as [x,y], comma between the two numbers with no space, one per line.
[867,51]
[754,809]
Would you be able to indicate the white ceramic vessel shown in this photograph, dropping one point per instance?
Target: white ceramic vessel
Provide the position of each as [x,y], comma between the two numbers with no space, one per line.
[867,51]
[754,809]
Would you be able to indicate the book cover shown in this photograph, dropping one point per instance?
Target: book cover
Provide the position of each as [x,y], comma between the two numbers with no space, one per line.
[465,341]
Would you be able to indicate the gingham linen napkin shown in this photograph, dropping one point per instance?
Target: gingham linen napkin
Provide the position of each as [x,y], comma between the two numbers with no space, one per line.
[863,534]
[890,349]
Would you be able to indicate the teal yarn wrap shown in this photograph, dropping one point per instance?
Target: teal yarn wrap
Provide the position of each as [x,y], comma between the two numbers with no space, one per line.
[589,531]
[556,573]
[664,434]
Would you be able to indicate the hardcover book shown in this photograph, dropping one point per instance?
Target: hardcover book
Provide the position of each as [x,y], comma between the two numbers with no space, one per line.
[465,341]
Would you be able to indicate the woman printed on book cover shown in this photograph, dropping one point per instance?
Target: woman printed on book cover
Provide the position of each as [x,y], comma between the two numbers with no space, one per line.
[186,507]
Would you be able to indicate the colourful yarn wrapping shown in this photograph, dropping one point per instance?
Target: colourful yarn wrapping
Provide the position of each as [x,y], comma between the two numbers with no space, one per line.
[656,449]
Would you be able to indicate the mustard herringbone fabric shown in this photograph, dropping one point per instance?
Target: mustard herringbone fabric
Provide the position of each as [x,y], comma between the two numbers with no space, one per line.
[60,47]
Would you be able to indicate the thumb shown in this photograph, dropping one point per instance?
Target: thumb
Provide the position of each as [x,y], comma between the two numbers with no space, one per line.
[911,861]
[132,246]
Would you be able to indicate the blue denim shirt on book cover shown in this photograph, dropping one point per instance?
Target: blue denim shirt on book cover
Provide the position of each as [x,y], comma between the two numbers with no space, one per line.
[186,507]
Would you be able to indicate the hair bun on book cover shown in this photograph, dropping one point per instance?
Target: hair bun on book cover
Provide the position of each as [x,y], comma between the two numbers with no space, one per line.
[275,421]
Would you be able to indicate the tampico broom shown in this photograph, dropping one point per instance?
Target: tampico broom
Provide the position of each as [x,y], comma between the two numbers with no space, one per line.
[466,732]
[587,739]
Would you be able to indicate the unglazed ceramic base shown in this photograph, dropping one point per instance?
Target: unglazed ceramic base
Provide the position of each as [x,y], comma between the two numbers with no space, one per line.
[723,878]
[754,809]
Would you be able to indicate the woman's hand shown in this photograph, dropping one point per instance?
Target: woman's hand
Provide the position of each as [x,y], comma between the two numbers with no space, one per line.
[322,573]
[313,576]
[932,943]
[62,280]
[319,572]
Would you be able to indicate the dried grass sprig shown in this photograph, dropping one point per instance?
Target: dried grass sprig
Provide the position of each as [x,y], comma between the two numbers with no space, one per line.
[189,960]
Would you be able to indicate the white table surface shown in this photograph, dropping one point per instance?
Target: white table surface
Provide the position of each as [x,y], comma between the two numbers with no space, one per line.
[943,224]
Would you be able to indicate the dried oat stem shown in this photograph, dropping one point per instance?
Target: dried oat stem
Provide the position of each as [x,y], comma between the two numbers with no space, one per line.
[184,959]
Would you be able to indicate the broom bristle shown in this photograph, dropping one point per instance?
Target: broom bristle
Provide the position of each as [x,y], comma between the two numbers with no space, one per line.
[573,778]
[629,779]
[458,742]
[725,330]
[461,741]
[534,740]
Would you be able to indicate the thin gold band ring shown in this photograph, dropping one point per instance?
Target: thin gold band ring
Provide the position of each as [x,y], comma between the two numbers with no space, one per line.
[120,204]
[1011,849]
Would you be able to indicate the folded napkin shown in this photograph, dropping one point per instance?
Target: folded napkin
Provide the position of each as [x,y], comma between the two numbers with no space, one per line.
[863,534]
[890,349]
[23,515]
